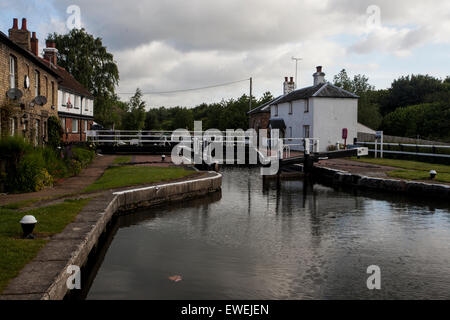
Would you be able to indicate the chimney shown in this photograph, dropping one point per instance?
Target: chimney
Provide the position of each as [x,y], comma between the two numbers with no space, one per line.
[50,53]
[288,85]
[34,44]
[319,76]
[20,36]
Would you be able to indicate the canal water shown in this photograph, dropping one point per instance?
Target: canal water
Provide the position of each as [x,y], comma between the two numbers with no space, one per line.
[295,241]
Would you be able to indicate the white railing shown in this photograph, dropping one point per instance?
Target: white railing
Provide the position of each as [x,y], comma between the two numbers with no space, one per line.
[401,145]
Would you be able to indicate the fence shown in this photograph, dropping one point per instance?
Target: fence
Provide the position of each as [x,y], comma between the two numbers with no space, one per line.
[430,151]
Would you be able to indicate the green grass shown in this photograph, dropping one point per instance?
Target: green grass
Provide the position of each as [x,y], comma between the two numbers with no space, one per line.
[411,170]
[128,176]
[19,204]
[15,252]
[122,159]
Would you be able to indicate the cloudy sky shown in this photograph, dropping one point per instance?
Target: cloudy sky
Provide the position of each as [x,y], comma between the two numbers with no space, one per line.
[164,45]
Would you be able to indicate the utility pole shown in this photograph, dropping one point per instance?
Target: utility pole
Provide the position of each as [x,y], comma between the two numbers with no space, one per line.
[251,88]
[296,65]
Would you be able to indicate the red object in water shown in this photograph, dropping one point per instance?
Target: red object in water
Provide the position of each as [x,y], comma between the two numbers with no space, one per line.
[175,278]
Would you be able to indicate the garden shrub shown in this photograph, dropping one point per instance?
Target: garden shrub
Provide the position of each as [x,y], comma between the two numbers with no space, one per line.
[31,173]
[84,156]
[75,166]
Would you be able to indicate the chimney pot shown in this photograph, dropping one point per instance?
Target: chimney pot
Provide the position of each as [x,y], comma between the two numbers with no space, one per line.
[15,24]
[34,44]
[24,24]
[292,79]
[286,79]
[319,69]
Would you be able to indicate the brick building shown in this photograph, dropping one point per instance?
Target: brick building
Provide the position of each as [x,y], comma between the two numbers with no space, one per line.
[29,87]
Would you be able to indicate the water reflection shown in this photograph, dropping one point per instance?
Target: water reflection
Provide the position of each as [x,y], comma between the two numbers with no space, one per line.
[292,240]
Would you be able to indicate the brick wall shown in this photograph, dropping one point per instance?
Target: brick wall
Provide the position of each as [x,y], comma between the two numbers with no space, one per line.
[259,120]
[70,136]
[15,110]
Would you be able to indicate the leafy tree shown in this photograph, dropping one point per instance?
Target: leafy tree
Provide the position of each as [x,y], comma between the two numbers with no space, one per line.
[410,90]
[92,65]
[134,119]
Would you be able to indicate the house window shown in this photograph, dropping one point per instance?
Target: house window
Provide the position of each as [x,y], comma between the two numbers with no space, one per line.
[74,125]
[37,132]
[37,83]
[275,110]
[305,131]
[13,126]
[290,132]
[85,125]
[12,72]
[76,102]
[86,104]
[306,106]
[53,93]
[290,108]
[63,124]
[46,86]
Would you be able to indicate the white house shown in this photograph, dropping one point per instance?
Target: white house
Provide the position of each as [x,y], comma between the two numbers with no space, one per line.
[321,112]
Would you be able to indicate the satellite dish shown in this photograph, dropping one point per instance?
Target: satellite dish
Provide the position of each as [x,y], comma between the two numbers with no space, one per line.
[40,100]
[26,82]
[14,94]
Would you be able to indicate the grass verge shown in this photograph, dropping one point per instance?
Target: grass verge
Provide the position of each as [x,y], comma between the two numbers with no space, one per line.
[117,177]
[411,170]
[122,159]
[15,252]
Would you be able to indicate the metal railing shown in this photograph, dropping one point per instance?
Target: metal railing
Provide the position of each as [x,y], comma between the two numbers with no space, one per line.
[406,145]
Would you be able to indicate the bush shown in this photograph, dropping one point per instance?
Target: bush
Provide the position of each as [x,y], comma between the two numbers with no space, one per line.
[31,174]
[84,156]
[55,132]
[54,164]
[75,166]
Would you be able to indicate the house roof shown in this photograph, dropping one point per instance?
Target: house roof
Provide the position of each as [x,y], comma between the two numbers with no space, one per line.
[68,82]
[323,90]
[28,54]
[264,107]
[277,123]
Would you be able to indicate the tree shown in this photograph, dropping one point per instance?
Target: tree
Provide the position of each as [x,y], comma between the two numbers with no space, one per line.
[359,84]
[410,90]
[91,64]
[134,119]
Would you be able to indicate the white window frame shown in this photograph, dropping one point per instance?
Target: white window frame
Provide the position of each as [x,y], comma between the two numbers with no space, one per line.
[37,80]
[306,132]
[12,126]
[85,126]
[12,71]
[76,101]
[75,128]
[290,132]
[63,123]
[275,112]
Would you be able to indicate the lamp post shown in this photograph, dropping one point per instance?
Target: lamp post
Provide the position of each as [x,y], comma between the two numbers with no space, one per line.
[28,223]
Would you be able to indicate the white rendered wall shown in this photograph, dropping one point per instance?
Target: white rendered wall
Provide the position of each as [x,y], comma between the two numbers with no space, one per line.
[331,115]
